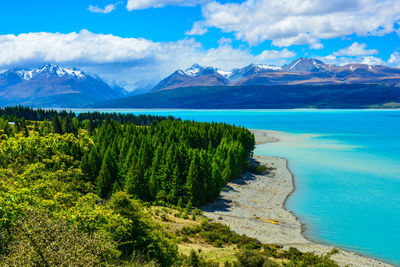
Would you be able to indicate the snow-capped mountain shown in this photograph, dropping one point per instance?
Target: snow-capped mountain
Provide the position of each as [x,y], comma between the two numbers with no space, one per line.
[196,75]
[50,71]
[52,85]
[300,71]
[306,65]
[239,74]
[196,70]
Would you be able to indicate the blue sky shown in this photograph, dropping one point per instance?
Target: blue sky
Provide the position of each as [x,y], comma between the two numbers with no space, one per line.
[140,41]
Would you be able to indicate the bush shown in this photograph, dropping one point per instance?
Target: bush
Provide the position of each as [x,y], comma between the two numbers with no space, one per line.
[197,212]
[213,232]
[41,240]
[195,260]
[248,258]
[218,244]
[262,169]
[299,258]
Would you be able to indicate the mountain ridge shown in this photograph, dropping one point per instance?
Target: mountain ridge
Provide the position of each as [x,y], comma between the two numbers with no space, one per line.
[300,71]
[53,85]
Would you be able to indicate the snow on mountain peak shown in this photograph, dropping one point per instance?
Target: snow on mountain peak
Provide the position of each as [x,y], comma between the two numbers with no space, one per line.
[223,73]
[49,70]
[305,65]
[197,70]
[268,67]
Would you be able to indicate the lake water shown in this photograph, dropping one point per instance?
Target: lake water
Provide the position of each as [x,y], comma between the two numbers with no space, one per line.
[347,173]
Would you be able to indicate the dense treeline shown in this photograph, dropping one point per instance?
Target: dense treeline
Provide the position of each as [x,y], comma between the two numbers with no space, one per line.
[170,161]
[167,160]
[19,113]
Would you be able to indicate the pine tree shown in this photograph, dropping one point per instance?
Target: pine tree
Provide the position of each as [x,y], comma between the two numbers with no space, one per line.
[136,182]
[194,185]
[57,125]
[36,127]
[90,127]
[85,167]
[68,126]
[107,175]
[217,181]
[180,203]
[94,163]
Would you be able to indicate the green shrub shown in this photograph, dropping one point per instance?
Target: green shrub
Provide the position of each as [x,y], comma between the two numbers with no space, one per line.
[248,258]
[196,260]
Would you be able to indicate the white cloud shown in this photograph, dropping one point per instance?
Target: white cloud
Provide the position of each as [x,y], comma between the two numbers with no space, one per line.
[144,4]
[395,58]
[296,22]
[83,46]
[356,49]
[123,59]
[355,53]
[371,60]
[268,55]
[199,28]
[316,46]
[343,60]
[107,9]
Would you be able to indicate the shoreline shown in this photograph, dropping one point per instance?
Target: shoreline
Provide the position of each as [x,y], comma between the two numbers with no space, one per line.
[251,204]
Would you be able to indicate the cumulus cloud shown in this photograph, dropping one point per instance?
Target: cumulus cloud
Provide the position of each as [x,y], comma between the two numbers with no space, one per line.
[297,22]
[395,58]
[144,4]
[356,49]
[316,46]
[343,60]
[123,59]
[199,28]
[83,46]
[355,53]
[107,9]
[371,60]
[268,55]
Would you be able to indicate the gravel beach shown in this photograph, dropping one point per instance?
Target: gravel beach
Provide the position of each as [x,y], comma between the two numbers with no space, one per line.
[254,205]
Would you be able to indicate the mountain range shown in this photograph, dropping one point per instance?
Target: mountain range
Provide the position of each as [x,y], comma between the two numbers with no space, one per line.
[301,71]
[54,86]
[303,83]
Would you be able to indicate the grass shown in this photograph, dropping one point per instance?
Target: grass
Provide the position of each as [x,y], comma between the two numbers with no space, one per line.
[209,252]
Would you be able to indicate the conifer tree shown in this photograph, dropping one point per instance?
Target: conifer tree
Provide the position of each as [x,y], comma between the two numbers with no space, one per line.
[194,185]
[90,126]
[57,125]
[107,176]
[134,181]
[36,127]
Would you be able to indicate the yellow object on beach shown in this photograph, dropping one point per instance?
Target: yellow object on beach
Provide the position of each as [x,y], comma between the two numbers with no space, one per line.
[270,221]
[273,221]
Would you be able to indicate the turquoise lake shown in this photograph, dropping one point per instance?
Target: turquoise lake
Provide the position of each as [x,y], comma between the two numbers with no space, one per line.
[346,169]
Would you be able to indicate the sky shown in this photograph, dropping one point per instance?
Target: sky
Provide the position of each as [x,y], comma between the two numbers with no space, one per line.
[137,42]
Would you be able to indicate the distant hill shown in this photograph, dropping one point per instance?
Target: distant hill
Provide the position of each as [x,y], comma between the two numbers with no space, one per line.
[265,96]
[300,71]
[54,86]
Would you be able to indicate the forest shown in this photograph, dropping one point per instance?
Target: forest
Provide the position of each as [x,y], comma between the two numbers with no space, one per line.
[87,176]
